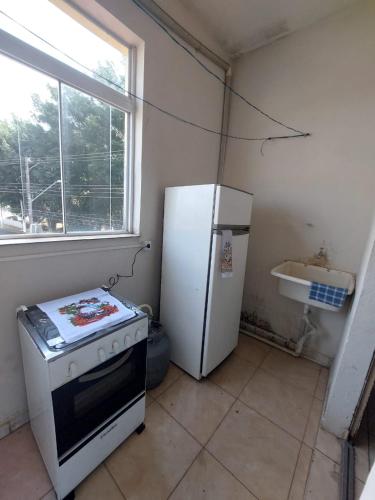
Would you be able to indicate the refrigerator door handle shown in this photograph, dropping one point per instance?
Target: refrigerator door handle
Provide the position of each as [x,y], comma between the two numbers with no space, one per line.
[236,230]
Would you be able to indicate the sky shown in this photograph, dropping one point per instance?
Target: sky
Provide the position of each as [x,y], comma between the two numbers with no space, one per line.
[59,29]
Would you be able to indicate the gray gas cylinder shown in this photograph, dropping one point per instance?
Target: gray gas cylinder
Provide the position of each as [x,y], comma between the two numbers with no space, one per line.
[158,354]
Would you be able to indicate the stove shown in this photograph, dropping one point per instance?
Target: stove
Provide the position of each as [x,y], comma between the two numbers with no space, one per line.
[84,397]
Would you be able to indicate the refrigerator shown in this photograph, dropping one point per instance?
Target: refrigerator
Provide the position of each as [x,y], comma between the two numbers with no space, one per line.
[200,308]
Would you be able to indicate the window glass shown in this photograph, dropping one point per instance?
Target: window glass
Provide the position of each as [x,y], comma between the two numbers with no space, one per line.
[46,27]
[30,182]
[63,152]
[93,145]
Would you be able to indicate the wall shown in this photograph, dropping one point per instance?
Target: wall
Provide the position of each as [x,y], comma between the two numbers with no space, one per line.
[313,190]
[353,360]
[172,154]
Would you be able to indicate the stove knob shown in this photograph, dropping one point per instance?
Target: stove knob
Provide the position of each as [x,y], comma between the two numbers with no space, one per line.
[127,340]
[138,335]
[101,354]
[115,346]
[73,370]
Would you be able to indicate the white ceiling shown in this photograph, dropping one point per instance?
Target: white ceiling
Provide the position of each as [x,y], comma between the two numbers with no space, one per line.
[243,25]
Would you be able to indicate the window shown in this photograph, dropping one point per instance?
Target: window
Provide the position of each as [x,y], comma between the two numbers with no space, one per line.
[66,121]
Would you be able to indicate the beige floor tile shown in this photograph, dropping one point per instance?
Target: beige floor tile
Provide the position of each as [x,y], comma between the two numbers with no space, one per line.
[299,372]
[323,481]
[313,423]
[173,374]
[209,480]
[282,403]
[198,406]
[301,473]
[329,445]
[149,400]
[233,374]
[51,495]
[251,350]
[99,484]
[321,387]
[150,465]
[358,487]
[260,454]
[22,472]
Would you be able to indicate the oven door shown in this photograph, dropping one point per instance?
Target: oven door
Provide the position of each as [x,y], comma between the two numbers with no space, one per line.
[81,406]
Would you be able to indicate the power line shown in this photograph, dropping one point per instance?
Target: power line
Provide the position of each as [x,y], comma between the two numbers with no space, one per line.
[164,111]
[217,77]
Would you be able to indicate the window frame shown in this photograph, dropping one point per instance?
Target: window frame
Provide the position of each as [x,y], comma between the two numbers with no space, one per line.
[22,52]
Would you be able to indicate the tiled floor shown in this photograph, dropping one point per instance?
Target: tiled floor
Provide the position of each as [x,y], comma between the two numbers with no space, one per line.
[250,431]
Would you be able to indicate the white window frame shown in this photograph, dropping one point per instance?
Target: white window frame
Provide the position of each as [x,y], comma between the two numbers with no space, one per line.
[34,58]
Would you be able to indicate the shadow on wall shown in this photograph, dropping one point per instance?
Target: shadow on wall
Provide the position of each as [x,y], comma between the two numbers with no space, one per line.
[278,235]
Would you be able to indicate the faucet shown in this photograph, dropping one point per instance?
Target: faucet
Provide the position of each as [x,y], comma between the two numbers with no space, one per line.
[322,253]
[319,259]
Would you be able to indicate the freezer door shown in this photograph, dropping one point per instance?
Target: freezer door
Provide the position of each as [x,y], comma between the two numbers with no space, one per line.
[224,302]
[232,207]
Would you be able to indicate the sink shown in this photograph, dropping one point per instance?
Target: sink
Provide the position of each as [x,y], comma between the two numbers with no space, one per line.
[295,279]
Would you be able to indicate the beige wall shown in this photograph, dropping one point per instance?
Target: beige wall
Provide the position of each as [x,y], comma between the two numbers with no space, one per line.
[307,191]
[172,154]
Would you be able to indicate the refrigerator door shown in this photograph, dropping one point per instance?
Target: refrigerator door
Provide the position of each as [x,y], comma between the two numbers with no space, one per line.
[185,264]
[224,302]
[232,206]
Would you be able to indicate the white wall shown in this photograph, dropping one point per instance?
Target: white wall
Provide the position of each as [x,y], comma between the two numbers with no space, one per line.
[172,154]
[352,364]
[307,191]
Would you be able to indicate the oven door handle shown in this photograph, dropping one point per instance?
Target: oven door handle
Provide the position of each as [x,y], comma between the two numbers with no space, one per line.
[90,377]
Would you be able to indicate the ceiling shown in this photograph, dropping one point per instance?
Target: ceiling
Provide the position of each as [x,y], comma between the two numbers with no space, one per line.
[242,25]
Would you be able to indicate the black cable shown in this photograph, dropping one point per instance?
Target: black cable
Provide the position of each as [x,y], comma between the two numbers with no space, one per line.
[162,110]
[214,75]
[113,280]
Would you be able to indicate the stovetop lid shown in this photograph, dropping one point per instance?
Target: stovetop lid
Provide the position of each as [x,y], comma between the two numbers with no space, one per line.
[50,334]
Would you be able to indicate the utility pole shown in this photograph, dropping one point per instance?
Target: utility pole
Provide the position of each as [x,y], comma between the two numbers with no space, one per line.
[21,177]
[29,199]
[23,217]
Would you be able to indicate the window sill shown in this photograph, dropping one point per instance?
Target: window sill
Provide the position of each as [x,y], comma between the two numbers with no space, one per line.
[53,239]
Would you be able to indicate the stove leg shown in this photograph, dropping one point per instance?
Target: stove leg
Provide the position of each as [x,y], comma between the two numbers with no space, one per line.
[140,428]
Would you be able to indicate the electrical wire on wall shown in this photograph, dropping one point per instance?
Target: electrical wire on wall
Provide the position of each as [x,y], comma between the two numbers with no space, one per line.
[298,133]
[165,111]
[113,280]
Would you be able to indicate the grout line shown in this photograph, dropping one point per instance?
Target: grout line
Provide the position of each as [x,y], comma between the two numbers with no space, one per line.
[203,446]
[229,393]
[185,473]
[325,455]
[269,420]
[302,442]
[155,398]
[191,435]
[294,470]
[113,478]
[49,491]
[230,472]
[187,430]
[313,449]
[291,384]
[179,423]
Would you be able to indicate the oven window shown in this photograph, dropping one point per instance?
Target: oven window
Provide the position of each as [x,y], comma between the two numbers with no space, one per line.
[85,403]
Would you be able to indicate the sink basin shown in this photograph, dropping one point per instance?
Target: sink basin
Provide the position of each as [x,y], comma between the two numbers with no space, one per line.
[295,279]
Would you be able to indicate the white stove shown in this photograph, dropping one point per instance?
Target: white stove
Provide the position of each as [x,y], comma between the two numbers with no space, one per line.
[85,397]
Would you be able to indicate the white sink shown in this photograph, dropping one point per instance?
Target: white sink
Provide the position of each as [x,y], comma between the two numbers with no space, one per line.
[295,279]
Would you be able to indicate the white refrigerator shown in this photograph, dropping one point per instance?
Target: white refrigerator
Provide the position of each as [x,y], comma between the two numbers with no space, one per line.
[200,308]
